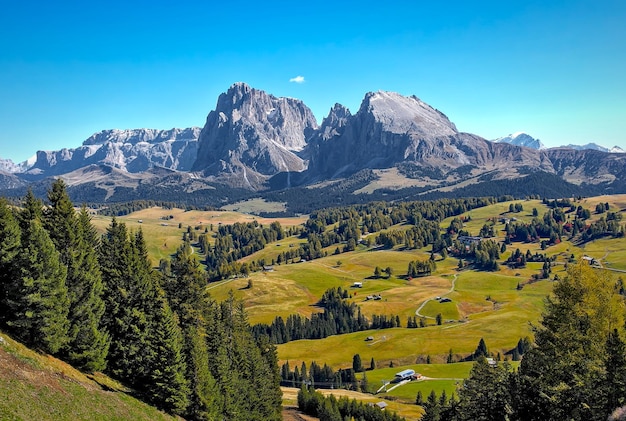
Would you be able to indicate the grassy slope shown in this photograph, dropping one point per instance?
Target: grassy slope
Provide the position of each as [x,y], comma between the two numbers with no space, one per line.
[38,387]
[501,320]
[295,288]
[163,235]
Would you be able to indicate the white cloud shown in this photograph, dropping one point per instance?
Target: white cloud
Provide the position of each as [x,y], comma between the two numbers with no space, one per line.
[297,79]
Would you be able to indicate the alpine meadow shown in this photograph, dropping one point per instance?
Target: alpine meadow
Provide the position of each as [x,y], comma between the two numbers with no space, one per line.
[243,310]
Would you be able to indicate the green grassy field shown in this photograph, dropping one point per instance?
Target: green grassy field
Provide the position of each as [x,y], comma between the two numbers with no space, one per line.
[161,230]
[486,305]
[437,377]
[489,304]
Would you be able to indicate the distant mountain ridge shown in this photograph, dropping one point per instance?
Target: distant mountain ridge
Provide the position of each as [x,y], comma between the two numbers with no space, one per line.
[134,151]
[255,142]
[525,140]
[595,147]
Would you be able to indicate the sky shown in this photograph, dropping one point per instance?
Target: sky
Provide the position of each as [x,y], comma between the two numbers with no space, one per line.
[555,70]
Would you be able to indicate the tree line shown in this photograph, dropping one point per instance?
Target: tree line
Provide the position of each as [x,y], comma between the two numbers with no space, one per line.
[339,317]
[329,408]
[96,302]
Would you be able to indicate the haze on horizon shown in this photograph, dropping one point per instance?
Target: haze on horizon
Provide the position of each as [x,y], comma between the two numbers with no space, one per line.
[552,70]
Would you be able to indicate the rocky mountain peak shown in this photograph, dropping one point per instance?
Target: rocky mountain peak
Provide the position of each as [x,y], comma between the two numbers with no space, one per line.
[132,150]
[594,147]
[254,131]
[401,114]
[521,139]
[333,123]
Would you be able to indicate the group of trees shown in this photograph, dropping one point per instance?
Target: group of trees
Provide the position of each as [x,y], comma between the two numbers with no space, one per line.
[609,226]
[329,408]
[484,253]
[419,268]
[339,316]
[97,303]
[576,370]
[323,377]
[232,242]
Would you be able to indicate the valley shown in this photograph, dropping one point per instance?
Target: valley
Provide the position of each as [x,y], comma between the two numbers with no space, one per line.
[497,306]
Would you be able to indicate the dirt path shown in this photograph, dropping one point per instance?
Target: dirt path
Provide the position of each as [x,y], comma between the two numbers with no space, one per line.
[419,309]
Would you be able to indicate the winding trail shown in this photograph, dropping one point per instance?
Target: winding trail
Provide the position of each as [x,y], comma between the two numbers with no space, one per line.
[417,312]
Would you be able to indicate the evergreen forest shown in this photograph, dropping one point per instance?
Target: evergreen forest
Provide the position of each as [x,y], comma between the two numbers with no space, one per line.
[96,302]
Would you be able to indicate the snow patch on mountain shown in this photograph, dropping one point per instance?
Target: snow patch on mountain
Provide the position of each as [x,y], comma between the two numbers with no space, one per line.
[521,139]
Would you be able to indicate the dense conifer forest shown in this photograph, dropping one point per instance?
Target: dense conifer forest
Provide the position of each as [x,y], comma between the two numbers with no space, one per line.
[97,303]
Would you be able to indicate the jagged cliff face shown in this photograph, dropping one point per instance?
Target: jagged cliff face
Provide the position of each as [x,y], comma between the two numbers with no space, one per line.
[134,151]
[390,129]
[387,129]
[253,140]
[252,135]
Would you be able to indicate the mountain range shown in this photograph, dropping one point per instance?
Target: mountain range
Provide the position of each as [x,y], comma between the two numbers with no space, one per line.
[524,139]
[254,143]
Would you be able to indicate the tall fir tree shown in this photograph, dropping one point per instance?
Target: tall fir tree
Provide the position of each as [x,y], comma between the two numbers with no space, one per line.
[146,341]
[168,387]
[613,384]
[185,287]
[37,298]
[247,375]
[485,394]
[9,250]
[125,292]
[76,240]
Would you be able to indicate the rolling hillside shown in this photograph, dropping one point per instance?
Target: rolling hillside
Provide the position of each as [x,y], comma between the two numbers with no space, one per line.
[34,386]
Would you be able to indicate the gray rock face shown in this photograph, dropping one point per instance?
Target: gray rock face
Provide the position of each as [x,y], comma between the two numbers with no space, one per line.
[8,166]
[10,181]
[252,135]
[588,166]
[390,129]
[133,150]
[521,139]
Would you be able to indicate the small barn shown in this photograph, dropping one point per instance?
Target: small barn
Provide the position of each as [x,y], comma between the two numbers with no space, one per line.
[382,405]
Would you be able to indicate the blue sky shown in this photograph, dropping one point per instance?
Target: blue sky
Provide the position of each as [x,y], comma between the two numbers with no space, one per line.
[68,69]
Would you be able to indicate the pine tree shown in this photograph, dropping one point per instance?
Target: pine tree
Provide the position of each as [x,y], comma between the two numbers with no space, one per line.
[124,293]
[485,395]
[37,298]
[9,250]
[614,380]
[247,374]
[558,378]
[146,341]
[89,341]
[168,387]
[188,298]
[76,240]
[357,366]
[481,350]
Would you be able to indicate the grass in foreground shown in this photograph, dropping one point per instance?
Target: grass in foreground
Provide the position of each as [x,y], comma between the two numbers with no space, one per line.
[39,387]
